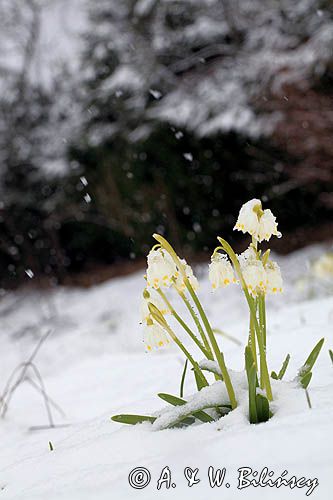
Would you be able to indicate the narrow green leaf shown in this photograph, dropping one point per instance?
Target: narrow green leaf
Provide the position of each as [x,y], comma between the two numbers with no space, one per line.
[284,367]
[132,419]
[274,375]
[308,398]
[175,401]
[331,354]
[311,359]
[262,408]
[181,391]
[306,379]
[252,384]
[199,380]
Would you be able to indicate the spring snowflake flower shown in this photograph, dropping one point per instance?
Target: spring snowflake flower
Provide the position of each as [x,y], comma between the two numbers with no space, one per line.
[267,226]
[161,269]
[274,278]
[248,221]
[155,337]
[221,273]
[190,276]
[255,276]
[248,255]
[157,301]
[259,223]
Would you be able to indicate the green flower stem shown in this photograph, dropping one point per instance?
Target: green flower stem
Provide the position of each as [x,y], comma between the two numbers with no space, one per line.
[262,317]
[166,245]
[218,354]
[183,324]
[264,374]
[159,318]
[252,342]
[198,324]
[195,365]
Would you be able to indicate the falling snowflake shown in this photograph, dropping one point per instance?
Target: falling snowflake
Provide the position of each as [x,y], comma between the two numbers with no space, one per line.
[188,156]
[155,93]
[29,273]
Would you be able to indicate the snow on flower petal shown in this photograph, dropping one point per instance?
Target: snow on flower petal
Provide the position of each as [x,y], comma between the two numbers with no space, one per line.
[255,276]
[190,276]
[274,277]
[221,273]
[259,223]
[161,269]
[155,337]
[248,221]
[267,226]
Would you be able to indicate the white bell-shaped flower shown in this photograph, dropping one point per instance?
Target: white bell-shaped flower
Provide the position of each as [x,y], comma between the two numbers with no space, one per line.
[274,277]
[157,301]
[155,337]
[267,226]
[248,221]
[190,276]
[161,269]
[259,223]
[255,276]
[221,273]
[248,255]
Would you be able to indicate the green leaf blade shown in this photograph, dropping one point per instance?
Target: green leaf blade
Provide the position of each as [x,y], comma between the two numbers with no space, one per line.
[252,384]
[132,419]
[284,367]
[175,401]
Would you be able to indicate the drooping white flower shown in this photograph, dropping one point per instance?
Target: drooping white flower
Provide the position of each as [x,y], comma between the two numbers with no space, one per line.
[157,301]
[259,223]
[248,221]
[274,277]
[190,276]
[267,226]
[248,255]
[255,276]
[161,269]
[155,337]
[221,273]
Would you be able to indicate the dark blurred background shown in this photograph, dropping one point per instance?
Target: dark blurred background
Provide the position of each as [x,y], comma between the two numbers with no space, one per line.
[122,118]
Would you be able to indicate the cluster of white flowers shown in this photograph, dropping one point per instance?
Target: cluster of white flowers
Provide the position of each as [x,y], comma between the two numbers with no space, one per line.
[162,272]
[259,223]
[221,273]
[259,278]
[261,275]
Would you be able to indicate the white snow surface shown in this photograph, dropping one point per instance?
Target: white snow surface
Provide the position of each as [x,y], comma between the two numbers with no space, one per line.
[94,366]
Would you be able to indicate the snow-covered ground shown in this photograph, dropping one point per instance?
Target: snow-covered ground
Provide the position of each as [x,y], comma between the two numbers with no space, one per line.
[93,365]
